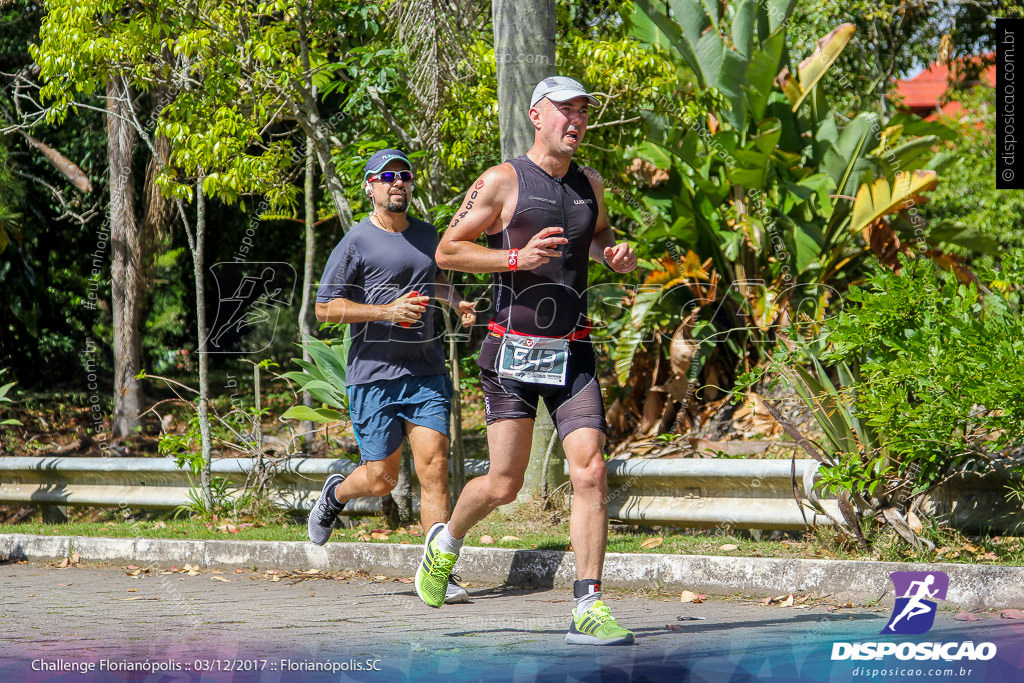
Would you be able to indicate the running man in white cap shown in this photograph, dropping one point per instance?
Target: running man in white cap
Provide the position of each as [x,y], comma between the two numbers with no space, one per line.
[544,219]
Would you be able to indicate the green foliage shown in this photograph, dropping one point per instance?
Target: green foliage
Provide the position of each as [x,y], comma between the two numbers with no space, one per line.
[893,39]
[6,400]
[932,382]
[767,190]
[184,448]
[967,212]
[324,378]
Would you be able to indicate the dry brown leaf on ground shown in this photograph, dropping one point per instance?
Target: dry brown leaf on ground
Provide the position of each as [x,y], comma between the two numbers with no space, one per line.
[380,536]
[690,596]
[1012,614]
[652,543]
[220,578]
[914,522]
[486,540]
[728,547]
[965,616]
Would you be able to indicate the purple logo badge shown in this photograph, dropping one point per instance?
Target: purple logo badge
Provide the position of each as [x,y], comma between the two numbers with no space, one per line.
[916,592]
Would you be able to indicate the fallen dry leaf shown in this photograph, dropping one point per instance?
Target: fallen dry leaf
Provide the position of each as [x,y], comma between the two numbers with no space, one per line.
[131,590]
[406,580]
[380,578]
[220,578]
[729,547]
[275,578]
[160,525]
[1012,614]
[75,557]
[652,543]
[788,602]
[63,563]
[380,536]
[486,540]
[239,570]
[132,566]
[914,522]
[509,539]
[990,556]
[965,616]
[365,537]
[690,596]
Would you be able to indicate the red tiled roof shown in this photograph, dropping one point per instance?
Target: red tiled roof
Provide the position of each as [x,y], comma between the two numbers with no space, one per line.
[925,90]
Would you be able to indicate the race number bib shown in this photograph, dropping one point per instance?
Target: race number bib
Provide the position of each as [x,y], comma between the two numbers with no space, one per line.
[533,359]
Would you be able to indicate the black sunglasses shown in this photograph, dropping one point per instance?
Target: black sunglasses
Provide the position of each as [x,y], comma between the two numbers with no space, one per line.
[392,176]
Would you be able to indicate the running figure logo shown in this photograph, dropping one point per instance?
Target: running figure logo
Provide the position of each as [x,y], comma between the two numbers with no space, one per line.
[915,608]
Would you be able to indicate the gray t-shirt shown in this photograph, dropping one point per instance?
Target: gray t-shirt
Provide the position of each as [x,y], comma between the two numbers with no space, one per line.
[374,266]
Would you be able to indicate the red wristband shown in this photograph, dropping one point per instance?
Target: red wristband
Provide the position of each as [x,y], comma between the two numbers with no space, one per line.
[513,259]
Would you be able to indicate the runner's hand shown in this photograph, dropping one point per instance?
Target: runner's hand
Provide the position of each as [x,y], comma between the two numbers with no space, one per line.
[541,248]
[620,258]
[406,308]
[467,313]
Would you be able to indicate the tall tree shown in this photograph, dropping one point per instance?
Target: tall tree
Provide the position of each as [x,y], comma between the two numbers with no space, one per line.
[127,284]
[524,51]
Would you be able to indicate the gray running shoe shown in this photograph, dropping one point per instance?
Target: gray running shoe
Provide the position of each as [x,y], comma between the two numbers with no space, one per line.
[325,511]
[455,593]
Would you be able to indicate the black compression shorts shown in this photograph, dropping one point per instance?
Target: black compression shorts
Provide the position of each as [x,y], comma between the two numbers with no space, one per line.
[575,405]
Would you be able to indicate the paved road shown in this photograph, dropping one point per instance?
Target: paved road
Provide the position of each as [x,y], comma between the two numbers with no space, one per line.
[75,618]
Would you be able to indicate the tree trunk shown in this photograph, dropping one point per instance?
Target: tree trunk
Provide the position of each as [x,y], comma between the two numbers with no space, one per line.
[126,281]
[524,51]
[305,331]
[308,116]
[201,332]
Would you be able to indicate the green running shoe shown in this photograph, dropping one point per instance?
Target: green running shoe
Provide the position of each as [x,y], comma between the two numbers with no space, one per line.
[432,575]
[597,626]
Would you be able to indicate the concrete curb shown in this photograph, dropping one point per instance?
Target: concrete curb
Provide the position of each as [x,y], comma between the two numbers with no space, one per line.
[970,586]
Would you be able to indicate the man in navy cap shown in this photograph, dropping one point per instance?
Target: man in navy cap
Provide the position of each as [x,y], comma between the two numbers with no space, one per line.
[380,279]
[544,219]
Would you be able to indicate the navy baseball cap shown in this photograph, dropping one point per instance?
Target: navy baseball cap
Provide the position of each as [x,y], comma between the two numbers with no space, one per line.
[381,159]
[560,89]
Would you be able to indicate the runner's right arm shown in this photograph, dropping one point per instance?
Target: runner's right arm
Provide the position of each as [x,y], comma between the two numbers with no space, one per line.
[404,309]
[482,210]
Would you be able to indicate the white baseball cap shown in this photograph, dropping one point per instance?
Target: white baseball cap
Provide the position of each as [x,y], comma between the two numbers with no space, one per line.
[560,89]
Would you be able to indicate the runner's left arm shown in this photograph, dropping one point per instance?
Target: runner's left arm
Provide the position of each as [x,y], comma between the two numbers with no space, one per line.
[619,257]
[447,293]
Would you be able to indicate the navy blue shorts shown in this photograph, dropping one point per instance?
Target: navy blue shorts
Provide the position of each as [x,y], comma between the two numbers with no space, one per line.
[379,410]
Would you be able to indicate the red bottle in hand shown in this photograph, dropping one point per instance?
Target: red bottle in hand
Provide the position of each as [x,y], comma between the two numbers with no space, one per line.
[412,293]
